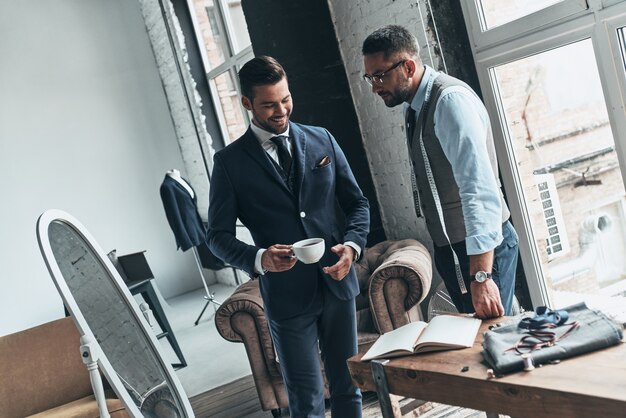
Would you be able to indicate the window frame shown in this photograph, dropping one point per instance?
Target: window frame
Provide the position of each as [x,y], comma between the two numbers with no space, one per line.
[484,38]
[232,62]
[547,29]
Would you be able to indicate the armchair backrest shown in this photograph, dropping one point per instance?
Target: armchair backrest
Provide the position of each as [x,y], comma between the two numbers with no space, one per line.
[41,369]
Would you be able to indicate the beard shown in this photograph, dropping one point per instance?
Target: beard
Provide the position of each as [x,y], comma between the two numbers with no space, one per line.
[398,96]
[270,126]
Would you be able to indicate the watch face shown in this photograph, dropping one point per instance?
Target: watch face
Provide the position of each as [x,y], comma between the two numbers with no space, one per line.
[481,276]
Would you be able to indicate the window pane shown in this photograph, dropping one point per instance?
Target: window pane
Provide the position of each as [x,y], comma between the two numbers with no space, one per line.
[237,27]
[498,12]
[564,152]
[229,106]
[207,16]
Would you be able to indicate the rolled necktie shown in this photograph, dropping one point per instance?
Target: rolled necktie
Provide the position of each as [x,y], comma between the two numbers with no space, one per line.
[544,318]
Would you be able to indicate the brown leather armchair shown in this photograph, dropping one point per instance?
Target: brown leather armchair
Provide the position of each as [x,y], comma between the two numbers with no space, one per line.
[394,277]
[43,375]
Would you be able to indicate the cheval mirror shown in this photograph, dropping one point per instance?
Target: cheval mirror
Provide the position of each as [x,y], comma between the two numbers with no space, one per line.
[110,322]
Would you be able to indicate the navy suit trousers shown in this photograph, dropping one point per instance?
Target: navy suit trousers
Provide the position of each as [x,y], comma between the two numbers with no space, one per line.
[331,323]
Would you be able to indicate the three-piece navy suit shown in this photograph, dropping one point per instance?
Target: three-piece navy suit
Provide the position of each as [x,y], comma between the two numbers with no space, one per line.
[302,304]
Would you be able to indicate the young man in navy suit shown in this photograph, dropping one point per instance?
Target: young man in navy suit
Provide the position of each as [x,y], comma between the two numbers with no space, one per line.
[282,180]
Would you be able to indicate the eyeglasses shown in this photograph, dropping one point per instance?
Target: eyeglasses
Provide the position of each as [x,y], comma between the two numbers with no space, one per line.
[380,77]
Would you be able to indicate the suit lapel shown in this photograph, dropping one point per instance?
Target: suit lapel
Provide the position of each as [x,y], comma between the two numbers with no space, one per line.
[299,156]
[257,153]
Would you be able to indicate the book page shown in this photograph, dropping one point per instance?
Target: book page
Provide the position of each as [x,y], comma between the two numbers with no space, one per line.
[400,339]
[450,330]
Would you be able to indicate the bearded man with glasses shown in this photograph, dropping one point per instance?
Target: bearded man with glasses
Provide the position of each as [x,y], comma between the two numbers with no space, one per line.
[455,172]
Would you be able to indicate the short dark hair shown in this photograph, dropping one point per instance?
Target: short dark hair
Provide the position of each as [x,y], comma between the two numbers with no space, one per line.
[259,71]
[390,40]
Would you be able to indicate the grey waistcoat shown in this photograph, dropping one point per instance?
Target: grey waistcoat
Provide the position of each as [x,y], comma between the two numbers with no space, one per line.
[442,171]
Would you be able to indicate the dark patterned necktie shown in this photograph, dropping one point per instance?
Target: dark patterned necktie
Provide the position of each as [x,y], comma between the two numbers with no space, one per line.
[284,158]
[410,123]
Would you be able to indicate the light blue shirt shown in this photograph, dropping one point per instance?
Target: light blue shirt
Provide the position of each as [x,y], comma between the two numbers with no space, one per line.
[462,127]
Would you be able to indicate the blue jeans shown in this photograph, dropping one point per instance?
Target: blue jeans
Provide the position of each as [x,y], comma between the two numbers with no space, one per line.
[503,271]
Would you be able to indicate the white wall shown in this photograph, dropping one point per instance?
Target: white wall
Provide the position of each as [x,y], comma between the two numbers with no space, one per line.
[84,127]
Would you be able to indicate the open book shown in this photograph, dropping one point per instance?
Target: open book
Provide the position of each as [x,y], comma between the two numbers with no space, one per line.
[444,332]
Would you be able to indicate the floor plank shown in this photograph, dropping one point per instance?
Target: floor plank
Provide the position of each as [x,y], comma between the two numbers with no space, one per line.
[239,399]
[235,399]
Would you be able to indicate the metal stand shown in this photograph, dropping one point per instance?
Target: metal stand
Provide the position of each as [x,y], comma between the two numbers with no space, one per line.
[209,297]
[89,355]
[392,406]
[382,389]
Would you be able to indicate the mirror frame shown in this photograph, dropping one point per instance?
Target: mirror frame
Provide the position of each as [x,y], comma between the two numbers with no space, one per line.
[43,224]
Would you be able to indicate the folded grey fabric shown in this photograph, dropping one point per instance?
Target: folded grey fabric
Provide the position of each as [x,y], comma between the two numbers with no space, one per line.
[596,331]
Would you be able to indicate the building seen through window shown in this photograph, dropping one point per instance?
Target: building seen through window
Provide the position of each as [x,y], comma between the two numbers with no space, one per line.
[556,128]
[221,28]
[563,134]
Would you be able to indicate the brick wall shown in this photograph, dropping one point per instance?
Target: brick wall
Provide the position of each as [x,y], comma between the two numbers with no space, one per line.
[194,141]
[382,129]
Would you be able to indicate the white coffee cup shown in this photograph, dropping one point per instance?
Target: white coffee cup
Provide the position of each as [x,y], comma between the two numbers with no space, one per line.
[310,250]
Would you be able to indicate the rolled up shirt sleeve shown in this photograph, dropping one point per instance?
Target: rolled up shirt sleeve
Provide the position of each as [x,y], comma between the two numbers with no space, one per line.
[462,126]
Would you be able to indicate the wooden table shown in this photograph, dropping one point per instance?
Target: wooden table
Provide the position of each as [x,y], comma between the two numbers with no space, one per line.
[591,385]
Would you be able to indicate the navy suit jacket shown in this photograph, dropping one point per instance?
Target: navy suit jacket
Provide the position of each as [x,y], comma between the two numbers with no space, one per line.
[245,184]
[182,214]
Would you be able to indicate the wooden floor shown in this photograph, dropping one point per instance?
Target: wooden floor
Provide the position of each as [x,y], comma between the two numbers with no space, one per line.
[239,399]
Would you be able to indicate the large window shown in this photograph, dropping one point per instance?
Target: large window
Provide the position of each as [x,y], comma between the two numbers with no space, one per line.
[225,44]
[497,12]
[552,74]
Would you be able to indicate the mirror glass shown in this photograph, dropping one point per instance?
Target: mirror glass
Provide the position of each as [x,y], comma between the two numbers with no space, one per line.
[97,301]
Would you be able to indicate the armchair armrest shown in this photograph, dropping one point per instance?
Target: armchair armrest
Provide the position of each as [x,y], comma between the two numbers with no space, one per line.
[241,318]
[399,283]
[246,299]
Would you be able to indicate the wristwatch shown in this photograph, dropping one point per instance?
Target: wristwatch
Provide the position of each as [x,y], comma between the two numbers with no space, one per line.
[480,276]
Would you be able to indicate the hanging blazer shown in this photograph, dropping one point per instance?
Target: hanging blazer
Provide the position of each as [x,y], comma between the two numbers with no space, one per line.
[182,214]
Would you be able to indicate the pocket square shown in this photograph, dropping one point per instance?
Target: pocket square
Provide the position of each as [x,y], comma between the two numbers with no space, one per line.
[323,162]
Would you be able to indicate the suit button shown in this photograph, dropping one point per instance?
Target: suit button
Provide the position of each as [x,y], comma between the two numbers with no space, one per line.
[302,214]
